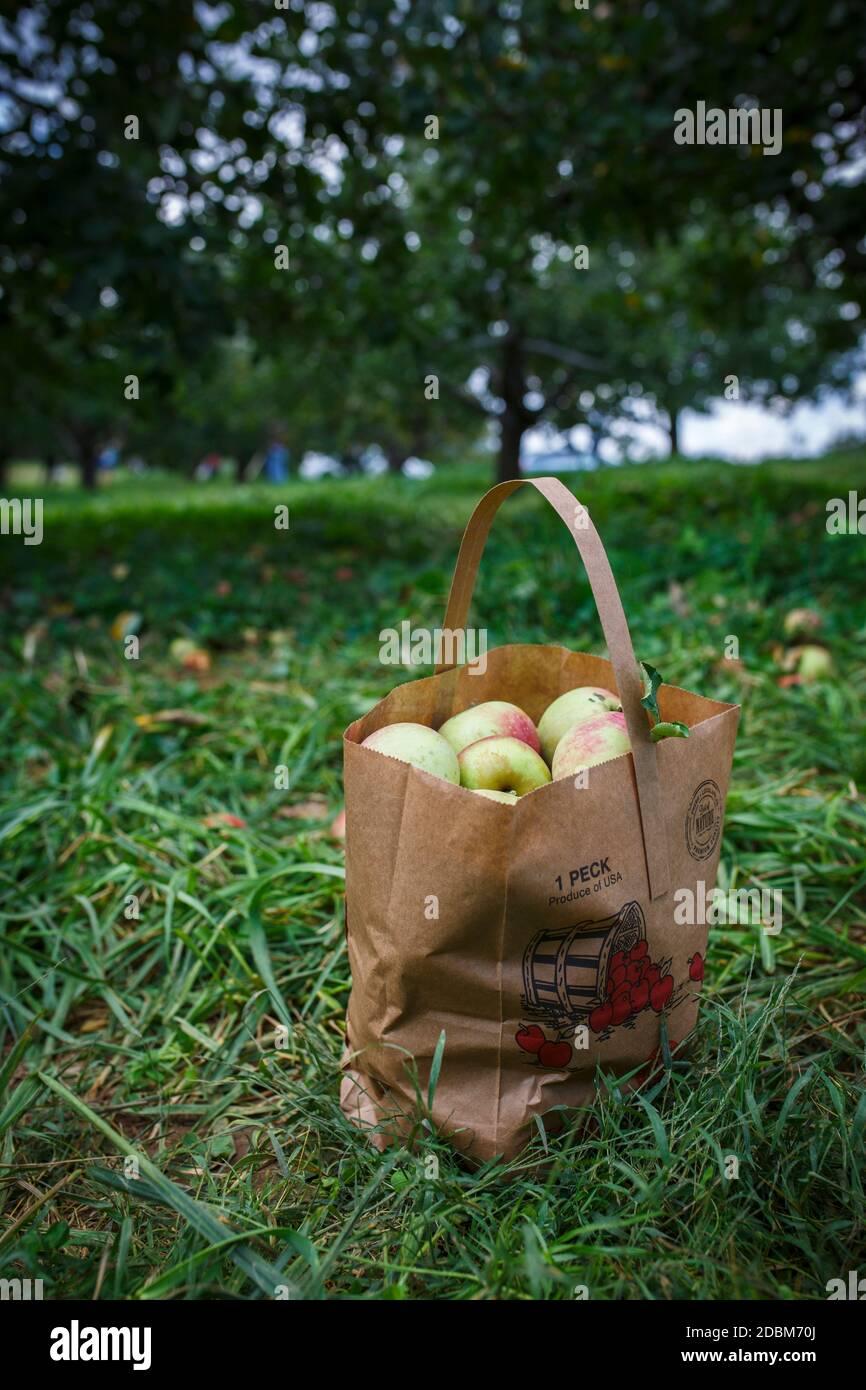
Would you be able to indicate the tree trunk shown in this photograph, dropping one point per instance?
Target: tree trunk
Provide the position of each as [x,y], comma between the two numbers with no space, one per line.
[510,434]
[516,417]
[52,464]
[87,463]
[396,458]
[240,468]
[674,430]
[4,468]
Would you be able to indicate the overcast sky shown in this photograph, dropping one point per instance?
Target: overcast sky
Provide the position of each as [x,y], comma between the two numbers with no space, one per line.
[738,431]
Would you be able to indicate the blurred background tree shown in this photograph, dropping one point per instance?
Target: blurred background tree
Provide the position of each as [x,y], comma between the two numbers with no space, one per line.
[324,209]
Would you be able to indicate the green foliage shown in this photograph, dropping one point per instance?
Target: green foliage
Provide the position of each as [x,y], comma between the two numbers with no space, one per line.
[403,257]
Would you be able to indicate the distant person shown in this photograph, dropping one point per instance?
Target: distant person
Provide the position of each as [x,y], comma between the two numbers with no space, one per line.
[276,465]
[109,457]
[207,468]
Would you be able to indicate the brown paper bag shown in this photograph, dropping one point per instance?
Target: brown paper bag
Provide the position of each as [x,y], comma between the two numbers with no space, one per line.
[503,926]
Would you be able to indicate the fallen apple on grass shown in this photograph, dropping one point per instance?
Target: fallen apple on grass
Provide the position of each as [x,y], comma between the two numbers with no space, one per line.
[418,745]
[596,740]
[813,663]
[572,708]
[494,717]
[502,765]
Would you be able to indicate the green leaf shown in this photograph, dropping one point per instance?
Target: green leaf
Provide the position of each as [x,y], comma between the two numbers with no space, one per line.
[669,729]
[15,1054]
[435,1069]
[20,1100]
[658,1128]
[651,679]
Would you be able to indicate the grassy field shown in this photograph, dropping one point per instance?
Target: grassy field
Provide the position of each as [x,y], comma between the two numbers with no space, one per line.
[169,1125]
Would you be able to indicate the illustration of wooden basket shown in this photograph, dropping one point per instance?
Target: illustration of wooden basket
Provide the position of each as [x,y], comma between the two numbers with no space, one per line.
[565,969]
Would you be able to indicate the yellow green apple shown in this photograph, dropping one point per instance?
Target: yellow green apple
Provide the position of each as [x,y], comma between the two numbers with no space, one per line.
[494,717]
[571,708]
[596,740]
[502,764]
[814,664]
[418,745]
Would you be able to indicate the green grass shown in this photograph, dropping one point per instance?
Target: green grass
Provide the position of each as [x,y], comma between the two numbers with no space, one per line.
[201,1039]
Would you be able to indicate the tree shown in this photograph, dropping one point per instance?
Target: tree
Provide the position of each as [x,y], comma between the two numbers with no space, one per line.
[102,109]
[499,136]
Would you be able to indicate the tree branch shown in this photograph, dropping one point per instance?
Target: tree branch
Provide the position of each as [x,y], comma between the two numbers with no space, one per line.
[563,354]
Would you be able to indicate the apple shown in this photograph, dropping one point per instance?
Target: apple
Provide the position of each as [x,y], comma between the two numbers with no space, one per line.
[640,996]
[570,709]
[595,741]
[502,765]
[601,1017]
[418,745]
[484,721]
[507,798]
[661,992]
[554,1054]
[813,664]
[530,1037]
[621,1008]
[801,622]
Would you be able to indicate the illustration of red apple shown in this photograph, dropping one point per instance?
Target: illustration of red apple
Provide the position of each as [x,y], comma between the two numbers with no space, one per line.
[554,1054]
[621,1006]
[638,951]
[661,992]
[618,958]
[530,1037]
[634,972]
[618,975]
[652,974]
[696,966]
[601,1018]
[640,995]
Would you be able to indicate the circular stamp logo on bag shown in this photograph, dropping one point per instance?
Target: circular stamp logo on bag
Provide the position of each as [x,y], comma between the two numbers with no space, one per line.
[704,820]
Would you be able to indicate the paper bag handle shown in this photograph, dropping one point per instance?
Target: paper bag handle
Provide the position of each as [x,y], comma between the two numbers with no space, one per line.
[616,634]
